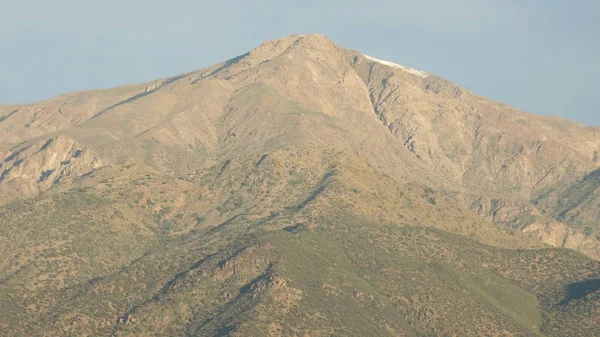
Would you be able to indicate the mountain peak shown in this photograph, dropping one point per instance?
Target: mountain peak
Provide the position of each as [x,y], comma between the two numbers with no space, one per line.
[313,46]
[306,39]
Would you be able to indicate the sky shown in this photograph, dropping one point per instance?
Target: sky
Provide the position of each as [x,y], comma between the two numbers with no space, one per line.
[539,56]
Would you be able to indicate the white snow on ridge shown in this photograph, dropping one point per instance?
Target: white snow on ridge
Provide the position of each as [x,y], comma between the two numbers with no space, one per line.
[395,65]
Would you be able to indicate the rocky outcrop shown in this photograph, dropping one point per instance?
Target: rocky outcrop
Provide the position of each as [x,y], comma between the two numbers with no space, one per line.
[497,210]
[560,235]
[523,218]
[35,167]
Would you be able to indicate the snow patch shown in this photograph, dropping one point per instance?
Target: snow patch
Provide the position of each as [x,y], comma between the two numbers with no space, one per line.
[398,66]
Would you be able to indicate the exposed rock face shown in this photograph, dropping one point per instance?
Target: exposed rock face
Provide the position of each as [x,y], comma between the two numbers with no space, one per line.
[560,235]
[35,167]
[523,217]
[477,144]
[496,209]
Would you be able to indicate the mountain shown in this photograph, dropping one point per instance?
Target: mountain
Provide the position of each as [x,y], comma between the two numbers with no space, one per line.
[300,189]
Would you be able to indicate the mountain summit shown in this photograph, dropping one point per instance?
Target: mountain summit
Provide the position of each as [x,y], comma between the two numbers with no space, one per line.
[300,189]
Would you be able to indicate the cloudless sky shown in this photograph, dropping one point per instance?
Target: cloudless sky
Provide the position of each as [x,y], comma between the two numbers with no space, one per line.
[539,56]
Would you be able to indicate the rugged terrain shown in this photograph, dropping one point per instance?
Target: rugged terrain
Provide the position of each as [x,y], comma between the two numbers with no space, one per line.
[300,189]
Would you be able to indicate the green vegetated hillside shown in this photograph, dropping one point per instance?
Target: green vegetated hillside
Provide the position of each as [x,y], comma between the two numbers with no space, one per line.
[287,243]
[301,189]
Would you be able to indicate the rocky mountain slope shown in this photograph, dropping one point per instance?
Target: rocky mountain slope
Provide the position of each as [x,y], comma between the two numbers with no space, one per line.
[298,189]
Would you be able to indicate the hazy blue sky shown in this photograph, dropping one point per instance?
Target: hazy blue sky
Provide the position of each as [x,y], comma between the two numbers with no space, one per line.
[540,56]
